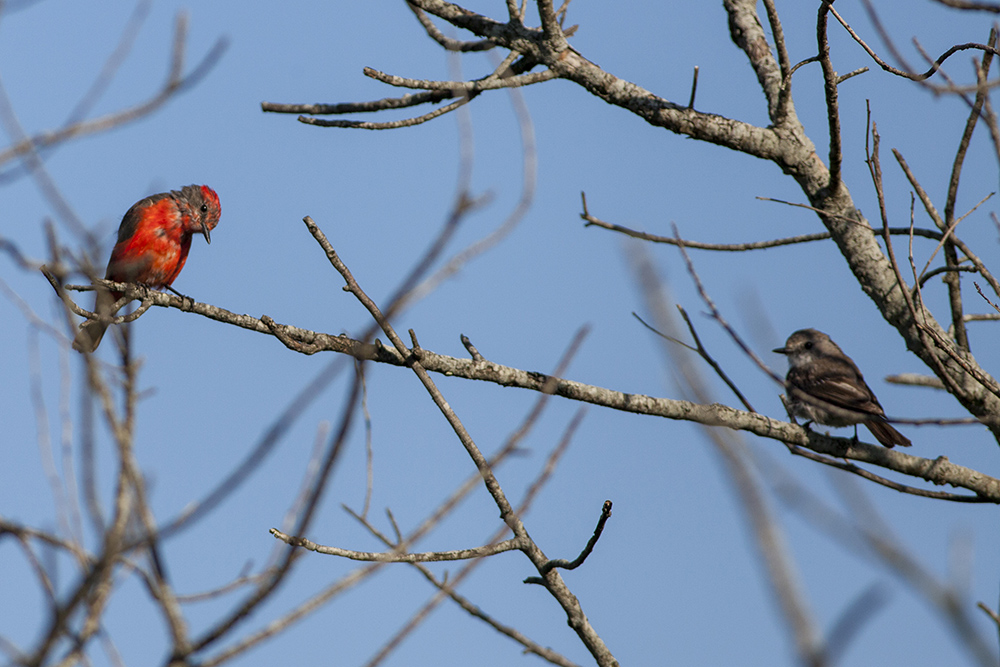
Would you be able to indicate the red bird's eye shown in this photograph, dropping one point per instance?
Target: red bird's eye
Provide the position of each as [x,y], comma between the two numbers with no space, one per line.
[204,208]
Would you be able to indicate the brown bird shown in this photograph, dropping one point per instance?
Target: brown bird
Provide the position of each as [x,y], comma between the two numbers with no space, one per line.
[825,386]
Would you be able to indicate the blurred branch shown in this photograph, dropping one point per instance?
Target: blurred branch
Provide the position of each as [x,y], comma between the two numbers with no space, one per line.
[176,82]
[447,587]
[345,583]
[979,289]
[447,42]
[778,564]
[104,78]
[224,624]
[968,4]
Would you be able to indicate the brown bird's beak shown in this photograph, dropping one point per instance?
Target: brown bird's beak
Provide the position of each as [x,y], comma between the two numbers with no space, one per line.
[780,350]
[205,230]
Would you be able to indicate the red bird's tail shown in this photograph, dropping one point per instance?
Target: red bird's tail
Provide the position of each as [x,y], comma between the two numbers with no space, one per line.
[92,331]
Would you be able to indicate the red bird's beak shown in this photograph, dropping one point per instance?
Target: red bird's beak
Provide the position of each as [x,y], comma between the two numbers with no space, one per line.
[206,232]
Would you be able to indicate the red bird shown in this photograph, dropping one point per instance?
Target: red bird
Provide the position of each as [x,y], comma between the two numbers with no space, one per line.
[153,243]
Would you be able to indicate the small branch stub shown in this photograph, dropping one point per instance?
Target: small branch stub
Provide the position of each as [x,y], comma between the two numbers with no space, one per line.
[578,561]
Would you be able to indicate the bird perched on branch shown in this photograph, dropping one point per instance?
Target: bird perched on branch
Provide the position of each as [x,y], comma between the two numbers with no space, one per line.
[153,243]
[825,386]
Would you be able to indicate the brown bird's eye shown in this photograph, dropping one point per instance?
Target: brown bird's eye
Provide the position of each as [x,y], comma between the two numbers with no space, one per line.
[809,345]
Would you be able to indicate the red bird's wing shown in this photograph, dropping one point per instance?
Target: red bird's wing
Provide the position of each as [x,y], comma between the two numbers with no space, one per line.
[151,247]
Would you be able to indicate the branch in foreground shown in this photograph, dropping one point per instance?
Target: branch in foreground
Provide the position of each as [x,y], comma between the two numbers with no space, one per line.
[938,471]
[882,481]
[391,557]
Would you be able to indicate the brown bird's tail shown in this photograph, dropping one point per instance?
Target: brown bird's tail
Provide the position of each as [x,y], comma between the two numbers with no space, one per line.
[92,331]
[886,434]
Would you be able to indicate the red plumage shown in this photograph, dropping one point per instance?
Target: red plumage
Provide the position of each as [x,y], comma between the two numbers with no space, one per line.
[153,243]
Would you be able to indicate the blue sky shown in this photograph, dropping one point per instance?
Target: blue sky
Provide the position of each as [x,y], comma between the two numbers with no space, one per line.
[676,575]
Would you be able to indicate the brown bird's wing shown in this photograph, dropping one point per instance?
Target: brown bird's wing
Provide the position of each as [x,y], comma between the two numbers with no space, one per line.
[841,386]
[845,388]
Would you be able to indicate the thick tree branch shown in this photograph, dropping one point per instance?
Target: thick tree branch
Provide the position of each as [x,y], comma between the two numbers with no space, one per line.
[937,471]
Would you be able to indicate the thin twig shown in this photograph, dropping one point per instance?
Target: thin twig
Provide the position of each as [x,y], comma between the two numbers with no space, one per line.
[899,72]
[700,349]
[587,550]
[740,247]
[447,42]
[694,87]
